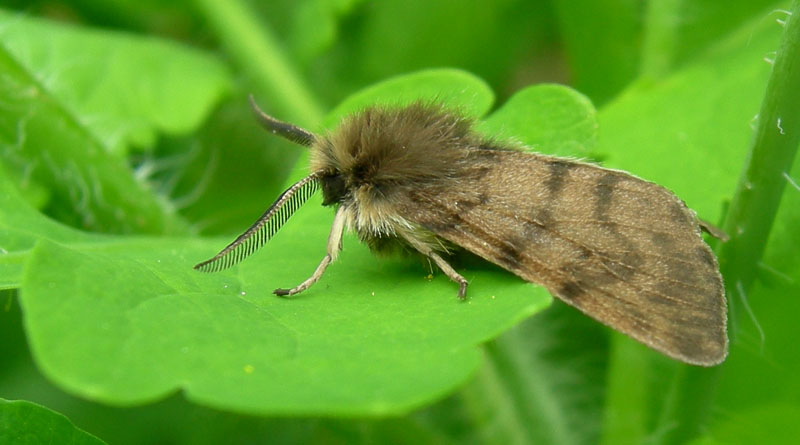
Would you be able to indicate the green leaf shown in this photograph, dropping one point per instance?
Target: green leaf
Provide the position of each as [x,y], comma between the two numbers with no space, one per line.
[352,346]
[21,226]
[677,31]
[458,89]
[698,25]
[551,119]
[24,423]
[67,127]
[777,422]
[122,89]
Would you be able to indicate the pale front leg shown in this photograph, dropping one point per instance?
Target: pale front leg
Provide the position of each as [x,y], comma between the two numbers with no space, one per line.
[443,265]
[334,246]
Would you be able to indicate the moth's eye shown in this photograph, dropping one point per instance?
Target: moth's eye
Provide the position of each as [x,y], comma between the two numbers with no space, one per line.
[333,188]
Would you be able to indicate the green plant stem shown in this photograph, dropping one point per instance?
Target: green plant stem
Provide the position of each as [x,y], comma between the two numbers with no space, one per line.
[771,155]
[658,47]
[624,420]
[686,406]
[748,222]
[486,397]
[518,394]
[258,53]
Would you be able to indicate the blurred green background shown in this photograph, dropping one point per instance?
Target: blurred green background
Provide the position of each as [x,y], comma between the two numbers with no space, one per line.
[677,85]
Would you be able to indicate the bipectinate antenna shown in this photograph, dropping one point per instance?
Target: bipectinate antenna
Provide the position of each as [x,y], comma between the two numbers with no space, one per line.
[282,129]
[268,225]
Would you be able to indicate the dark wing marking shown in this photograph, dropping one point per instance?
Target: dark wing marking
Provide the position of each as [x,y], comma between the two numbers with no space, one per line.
[625,251]
[283,129]
[267,225]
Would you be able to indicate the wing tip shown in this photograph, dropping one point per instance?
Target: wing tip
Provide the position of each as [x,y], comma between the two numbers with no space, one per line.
[709,348]
[707,360]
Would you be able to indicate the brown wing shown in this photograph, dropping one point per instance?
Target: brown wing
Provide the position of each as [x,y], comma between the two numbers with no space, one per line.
[622,250]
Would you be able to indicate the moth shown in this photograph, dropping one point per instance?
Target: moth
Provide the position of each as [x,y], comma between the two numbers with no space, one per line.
[624,251]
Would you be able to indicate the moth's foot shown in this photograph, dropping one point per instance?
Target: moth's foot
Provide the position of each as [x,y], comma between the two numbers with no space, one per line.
[282,292]
[462,290]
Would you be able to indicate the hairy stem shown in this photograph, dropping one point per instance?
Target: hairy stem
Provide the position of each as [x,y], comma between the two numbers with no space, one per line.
[624,420]
[748,222]
[755,203]
[516,390]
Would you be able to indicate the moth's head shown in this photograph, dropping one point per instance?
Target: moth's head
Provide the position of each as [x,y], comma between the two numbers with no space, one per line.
[380,146]
[334,187]
[344,165]
[326,167]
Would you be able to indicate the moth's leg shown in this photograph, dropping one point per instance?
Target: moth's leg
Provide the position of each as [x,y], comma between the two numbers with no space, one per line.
[443,265]
[334,246]
[713,230]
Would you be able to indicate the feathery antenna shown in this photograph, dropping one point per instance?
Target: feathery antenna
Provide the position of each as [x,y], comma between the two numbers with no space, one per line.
[282,129]
[268,225]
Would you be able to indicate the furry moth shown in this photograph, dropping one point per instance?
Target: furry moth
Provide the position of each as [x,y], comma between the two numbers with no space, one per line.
[625,251]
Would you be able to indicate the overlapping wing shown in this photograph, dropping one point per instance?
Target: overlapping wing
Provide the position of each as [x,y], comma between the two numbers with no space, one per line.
[625,251]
